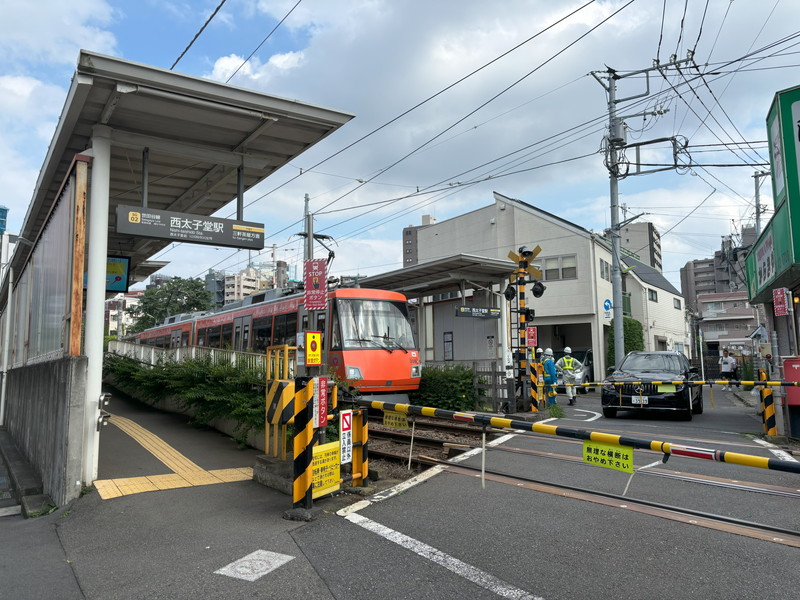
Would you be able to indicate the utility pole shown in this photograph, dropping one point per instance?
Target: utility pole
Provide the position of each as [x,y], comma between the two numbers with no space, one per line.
[615,144]
[757,178]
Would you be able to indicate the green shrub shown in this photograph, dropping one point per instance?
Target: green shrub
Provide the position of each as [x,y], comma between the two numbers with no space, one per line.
[449,388]
[211,391]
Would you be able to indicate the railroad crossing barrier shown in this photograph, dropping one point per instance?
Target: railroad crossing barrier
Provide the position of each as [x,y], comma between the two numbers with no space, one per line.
[666,448]
[767,406]
[317,466]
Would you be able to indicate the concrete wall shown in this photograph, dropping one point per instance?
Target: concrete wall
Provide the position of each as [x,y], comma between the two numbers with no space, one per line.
[45,419]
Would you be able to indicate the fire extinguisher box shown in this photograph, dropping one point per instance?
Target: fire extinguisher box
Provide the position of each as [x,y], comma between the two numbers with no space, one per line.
[791,372]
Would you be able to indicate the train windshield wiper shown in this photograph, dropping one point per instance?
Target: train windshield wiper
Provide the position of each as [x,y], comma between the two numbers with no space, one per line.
[378,344]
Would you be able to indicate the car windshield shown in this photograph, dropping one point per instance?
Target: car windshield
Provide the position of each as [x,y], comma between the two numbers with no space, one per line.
[652,363]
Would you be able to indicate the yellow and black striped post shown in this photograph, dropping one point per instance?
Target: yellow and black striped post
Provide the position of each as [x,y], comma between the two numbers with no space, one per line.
[360,447]
[279,412]
[303,447]
[767,406]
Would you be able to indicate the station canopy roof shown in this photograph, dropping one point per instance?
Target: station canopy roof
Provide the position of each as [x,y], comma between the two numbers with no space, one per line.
[197,132]
[443,275]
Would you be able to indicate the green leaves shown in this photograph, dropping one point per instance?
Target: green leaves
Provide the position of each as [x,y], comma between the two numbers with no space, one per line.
[174,297]
[210,390]
[450,388]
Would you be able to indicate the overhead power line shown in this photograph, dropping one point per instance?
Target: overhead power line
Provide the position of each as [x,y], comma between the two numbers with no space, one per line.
[197,35]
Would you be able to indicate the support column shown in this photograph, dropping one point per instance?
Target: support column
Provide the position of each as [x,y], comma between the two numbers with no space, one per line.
[96,295]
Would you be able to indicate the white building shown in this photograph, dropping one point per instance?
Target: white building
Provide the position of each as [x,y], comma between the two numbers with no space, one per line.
[576,270]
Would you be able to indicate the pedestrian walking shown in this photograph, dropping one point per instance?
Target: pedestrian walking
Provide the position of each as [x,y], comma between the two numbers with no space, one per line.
[568,366]
[727,368]
[550,376]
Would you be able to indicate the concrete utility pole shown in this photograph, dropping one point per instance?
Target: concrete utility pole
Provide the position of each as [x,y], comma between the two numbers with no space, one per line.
[757,178]
[615,144]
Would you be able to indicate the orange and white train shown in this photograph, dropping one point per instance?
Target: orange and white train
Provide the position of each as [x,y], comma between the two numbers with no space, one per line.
[367,334]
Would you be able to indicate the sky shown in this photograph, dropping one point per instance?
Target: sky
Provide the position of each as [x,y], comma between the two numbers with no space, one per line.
[453,99]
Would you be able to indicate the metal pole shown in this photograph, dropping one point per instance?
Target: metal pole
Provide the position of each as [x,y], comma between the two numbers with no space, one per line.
[96,295]
[6,342]
[145,175]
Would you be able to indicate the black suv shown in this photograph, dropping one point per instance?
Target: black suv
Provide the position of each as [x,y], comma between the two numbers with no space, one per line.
[652,381]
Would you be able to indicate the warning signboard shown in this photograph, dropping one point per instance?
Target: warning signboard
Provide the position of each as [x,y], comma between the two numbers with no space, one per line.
[608,456]
[346,436]
[320,401]
[325,470]
[531,337]
[313,348]
[315,284]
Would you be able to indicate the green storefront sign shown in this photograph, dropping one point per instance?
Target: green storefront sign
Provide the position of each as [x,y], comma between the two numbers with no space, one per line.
[775,259]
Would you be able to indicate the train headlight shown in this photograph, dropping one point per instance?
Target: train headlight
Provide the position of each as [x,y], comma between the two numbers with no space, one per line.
[416,370]
[354,373]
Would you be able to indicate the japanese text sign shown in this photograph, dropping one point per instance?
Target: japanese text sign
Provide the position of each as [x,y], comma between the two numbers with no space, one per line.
[313,348]
[608,456]
[346,436]
[315,284]
[780,298]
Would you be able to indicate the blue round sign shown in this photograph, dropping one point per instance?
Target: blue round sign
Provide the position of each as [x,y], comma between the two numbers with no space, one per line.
[607,304]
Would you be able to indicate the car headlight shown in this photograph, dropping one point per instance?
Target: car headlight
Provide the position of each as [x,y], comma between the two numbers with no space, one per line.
[353,373]
[608,386]
[416,370]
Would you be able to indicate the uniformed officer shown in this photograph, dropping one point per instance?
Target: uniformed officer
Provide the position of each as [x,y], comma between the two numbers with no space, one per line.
[568,366]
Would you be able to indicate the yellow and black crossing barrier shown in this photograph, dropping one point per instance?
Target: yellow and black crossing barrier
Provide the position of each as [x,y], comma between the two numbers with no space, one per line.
[279,413]
[596,436]
[695,382]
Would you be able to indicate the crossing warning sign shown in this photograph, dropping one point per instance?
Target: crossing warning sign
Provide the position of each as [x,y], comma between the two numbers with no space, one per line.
[346,436]
[313,348]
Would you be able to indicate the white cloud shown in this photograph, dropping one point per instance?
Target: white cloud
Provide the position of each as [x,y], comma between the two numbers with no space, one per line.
[48,31]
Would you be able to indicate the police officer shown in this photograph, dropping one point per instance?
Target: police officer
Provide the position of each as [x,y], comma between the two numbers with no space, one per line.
[550,376]
[568,367]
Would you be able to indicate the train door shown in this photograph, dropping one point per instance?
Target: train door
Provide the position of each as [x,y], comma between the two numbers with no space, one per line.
[175,338]
[241,332]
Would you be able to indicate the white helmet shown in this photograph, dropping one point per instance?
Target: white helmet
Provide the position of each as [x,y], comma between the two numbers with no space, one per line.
[567,350]
[539,351]
[548,352]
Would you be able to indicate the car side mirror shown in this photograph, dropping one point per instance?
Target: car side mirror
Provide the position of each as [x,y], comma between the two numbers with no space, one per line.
[694,370]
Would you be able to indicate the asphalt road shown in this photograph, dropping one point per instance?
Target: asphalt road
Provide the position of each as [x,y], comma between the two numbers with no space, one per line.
[447,536]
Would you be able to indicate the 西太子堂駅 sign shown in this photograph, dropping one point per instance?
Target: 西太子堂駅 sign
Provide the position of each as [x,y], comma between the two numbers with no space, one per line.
[184,227]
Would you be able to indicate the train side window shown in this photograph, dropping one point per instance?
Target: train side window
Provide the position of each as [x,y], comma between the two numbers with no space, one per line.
[201,337]
[213,337]
[227,335]
[336,332]
[285,329]
[185,338]
[246,338]
[321,318]
[262,333]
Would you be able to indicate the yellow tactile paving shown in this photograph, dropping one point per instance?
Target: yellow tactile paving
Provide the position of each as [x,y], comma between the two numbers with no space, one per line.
[229,475]
[185,472]
[168,482]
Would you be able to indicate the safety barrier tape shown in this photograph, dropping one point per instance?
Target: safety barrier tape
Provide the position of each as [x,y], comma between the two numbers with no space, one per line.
[595,436]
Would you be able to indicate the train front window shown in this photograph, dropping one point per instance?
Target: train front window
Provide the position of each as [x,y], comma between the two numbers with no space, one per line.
[374,324]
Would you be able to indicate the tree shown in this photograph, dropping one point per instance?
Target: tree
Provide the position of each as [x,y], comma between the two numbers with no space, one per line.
[174,297]
[633,334]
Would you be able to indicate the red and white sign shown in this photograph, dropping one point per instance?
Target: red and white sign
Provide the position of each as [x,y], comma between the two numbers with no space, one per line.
[532,335]
[321,399]
[346,436]
[315,284]
[780,299]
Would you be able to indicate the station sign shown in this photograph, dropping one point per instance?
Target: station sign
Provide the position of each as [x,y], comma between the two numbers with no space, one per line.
[346,436]
[185,227]
[315,284]
[478,312]
[313,347]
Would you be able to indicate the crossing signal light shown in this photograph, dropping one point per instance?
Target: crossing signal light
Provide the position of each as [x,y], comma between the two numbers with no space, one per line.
[538,289]
[510,293]
[528,313]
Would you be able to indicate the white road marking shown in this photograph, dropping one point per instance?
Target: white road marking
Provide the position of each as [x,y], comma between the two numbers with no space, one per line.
[254,565]
[782,454]
[460,568]
[596,416]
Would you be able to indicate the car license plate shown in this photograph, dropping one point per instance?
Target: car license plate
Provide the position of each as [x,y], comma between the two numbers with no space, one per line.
[639,400]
